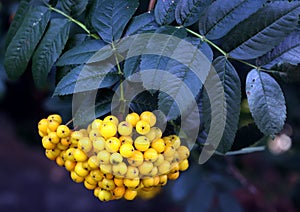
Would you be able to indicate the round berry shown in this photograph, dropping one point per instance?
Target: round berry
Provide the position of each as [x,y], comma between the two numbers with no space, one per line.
[103,157]
[104,195]
[118,192]
[52,126]
[43,126]
[112,119]
[132,172]
[108,184]
[145,168]
[130,194]
[47,144]
[141,143]
[115,158]
[124,128]
[151,135]
[183,152]
[80,170]
[163,179]
[108,129]
[132,118]
[153,172]
[160,159]
[136,159]
[85,144]
[93,162]
[132,183]
[69,155]
[76,178]
[79,155]
[148,182]
[184,165]
[126,150]
[119,181]
[55,117]
[96,174]
[63,131]
[60,161]
[158,145]
[120,169]
[142,127]
[76,136]
[89,186]
[150,155]
[173,176]
[169,151]
[98,144]
[70,165]
[65,141]
[164,168]
[106,168]
[96,124]
[148,117]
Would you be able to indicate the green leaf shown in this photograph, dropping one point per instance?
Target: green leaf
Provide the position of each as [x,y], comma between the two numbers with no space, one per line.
[262,31]
[87,78]
[111,17]
[22,46]
[140,23]
[144,101]
[73,7]
[287,51]
[222,15]
[230,81]
[17,21]
[81,54]
[49,50]
[266,102]
[188,12]
[164,11]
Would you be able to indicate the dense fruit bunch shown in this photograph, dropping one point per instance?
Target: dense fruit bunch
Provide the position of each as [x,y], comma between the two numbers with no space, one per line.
[117,159]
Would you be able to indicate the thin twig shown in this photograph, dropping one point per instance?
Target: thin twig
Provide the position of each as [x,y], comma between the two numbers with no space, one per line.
[151,5]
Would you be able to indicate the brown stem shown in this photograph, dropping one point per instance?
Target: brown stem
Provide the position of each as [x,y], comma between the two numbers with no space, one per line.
[151,5]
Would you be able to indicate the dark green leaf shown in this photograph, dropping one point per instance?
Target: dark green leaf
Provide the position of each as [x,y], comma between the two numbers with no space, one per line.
[202,46]
[143,22]
[222,15]
[262,31]
[229,79]
[81,54]
[111,17]
[188,12]
[287,51]
[17,21]
[266,102]
[87,78]
[49,50]
[144,101]
[22,46]
[287,72]
[164,11]
[73,7]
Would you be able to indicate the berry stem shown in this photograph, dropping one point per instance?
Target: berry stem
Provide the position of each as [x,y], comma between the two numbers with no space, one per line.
[74,21]
[69,122]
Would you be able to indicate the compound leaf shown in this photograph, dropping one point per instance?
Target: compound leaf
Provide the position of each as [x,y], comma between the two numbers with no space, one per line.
[164,11]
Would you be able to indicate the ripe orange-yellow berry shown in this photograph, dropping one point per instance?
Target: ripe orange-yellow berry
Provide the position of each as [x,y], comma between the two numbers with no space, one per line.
[133,118]
[148,117]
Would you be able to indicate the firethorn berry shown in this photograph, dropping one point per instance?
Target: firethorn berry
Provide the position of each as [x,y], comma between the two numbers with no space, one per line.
[103,156]
[169,151]
[93,162]
[52,154]
[76,178]
[151,135]
[148,182]
[126,150]
[132,118]
[89,186]
[70,165]
[156,180]
[61,146]
[55,117]
[85,144]
[118,192]
[174,167]
[96,124]
[63,131]
[94,134]
[106,168]
[80,170]
[79,155]
[184,165]
[183,152]
[69,155]
[52,126]
[42,126]
[59,161]
[132,172]
[96,191]
[108,184]
[141,143]
[145,168]
[98,144]
[130,194]
[112,119]
[164,168]
[158,144]
[119,181]
[124,128]
[108,129]
[150,155]
[115,158]
[96,174]
[104,195]
[120,169]
[112,144]
[89,179]
[65,141]
[173,176]
[131,183]
[159,160]
[174,141]
[148,117]
[47,144]
[163,179]
[126,139]
[142,127]
[153,171]
[136,159]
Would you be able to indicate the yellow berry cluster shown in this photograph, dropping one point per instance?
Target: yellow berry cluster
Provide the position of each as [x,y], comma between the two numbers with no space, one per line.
[116,159]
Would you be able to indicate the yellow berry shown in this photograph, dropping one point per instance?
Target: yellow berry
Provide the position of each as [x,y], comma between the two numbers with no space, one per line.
[115,158]
[126,150]
[174,141]
[52,153]
[119,170]
[183,152]
[47,144]
[52,126]
[89,186]
[132,118]
[42,126]
[96,124]
[130,194]
[104,195]
[150,155]
[106,168]
[163,179]
[142,127]
[184,165]
[136,159]
[76,178]
[103,157]
[79,155]
[148,181]
[119,181]
[96,174]
[132,172]
[96,191]
[145,168]
[118,192]
[164,168]
[70,165]
[169,151]
[173,176]
[112,119]
[126,139]
[80,170]
[93,162]
[59,161]
[124,128]
[61,146]
[112,144]
[89,179]
[76,136]
[141,143]
[132,183]
[55,117]
[98,144]
[63,131]
[94,134]
[174,167]
[148,117]
[69,155]
[151,135]
[158,145]
[108,184]
[153,172]
[160,159]
[108,129]
[85,144]
[65,141]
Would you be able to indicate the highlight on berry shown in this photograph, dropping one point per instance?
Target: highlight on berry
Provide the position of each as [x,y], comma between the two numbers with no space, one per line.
[116,158]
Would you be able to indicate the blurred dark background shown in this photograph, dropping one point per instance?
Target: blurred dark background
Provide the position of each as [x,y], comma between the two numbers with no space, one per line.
[264,181]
